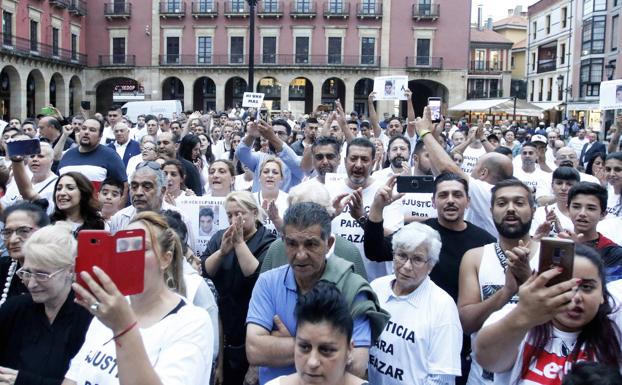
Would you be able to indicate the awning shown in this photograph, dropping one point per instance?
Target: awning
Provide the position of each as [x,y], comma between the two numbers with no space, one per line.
[478,105]
[547,105]
[578,106]
[522,107]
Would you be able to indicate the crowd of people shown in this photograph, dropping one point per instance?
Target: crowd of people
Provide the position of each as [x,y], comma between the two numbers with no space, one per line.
[322,272]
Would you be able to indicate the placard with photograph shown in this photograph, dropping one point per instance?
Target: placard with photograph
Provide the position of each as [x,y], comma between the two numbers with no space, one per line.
[207,215]
[390,87]
[611,95]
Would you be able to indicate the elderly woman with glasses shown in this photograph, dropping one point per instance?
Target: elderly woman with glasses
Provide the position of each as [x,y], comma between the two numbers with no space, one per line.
[148,152]
[421,349]
[41,332]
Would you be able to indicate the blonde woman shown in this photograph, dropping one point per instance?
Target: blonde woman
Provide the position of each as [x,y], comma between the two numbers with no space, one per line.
[232,260]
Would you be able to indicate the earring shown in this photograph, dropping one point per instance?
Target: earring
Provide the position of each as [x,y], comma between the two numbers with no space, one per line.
[349,362]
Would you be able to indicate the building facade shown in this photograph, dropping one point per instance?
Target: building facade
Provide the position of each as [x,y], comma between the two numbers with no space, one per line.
[489,71]
[514,28]
[307,52]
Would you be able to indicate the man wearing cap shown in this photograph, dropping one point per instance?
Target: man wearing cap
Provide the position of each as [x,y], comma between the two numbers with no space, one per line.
[529,173]
[593,146]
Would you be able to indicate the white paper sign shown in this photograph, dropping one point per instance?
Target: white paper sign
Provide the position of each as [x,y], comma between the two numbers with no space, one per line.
[390,87]
[207,215]
[3,124]
[252,99]
[611,95]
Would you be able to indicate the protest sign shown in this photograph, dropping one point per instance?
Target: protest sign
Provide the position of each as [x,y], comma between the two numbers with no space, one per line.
[611,95]
[390,87]
[252,99]
[207,215]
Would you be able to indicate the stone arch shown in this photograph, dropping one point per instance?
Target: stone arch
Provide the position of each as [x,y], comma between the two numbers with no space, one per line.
[173,89]
[271,87]
[301,95]
[421,91]
[35,93]
[75,95]
[116,91]
[234,91]
[362,89]
[10,93]
[204,94]
[57,92]
[333,89]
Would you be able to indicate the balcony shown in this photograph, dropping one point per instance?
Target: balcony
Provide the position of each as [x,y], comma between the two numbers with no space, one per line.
[270,9]
[172,8]
[369,10]
[237,8]
[271,61]
[485,67]
[59,3]
[424,63]
[78,7]
[302,9]
[117,60]
[484,94]
[204,9]
[426,11]
[34,50]
[333,9]
[122,10]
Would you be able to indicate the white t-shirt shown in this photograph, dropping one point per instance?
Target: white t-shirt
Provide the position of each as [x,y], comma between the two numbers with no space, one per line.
[539,217]
[538,180]
[577,144]
[179,347]
[610,227]
[281,205]
[45,189]
[478,212]
[412,347]
[471,155]
[347,227]
[614,206]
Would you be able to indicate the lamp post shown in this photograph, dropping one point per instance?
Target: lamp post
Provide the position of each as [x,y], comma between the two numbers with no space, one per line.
[516,89]
[611,69]
[251,46]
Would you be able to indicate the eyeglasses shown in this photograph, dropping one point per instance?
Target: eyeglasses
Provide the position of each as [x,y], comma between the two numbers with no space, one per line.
[22,232]
[26,275]
[415,261]
[149,163]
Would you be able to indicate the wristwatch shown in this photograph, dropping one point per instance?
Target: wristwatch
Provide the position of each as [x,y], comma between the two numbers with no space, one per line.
[362,220]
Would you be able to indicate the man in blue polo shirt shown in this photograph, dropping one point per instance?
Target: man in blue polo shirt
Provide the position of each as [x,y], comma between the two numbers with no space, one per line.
[95,161]
[270,322]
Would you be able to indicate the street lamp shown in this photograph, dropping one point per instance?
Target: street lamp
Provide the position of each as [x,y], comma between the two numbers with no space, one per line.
[611,69]
[251,46]
[516,87]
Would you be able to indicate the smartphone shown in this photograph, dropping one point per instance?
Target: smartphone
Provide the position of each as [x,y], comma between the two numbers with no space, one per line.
[85,104]
[556,252]
[264,114]
[48,111]
[435,108]
[121,256]
[23,147]
[325,108]
[415,184]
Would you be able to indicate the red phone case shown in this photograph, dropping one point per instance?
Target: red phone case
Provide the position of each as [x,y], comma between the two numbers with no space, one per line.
[121,256]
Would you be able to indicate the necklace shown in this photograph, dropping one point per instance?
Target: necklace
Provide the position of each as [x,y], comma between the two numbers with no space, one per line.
[7,284]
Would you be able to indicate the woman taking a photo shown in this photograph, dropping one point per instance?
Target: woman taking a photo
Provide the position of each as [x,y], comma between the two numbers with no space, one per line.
[20,221]
[154,337]
[323,346]
[232,260]
[221,178]
[174,174]
[551,328]
[270,197]
[41,332]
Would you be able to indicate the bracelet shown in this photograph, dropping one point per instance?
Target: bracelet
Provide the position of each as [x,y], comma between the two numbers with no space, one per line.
[125,331]
[423,134]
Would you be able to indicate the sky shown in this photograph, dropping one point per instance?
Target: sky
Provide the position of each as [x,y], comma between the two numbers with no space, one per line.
[498,9]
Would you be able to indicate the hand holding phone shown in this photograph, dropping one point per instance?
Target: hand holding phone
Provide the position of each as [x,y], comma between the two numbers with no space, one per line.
[25,147]
[434,104]
[415,184]
[557,253]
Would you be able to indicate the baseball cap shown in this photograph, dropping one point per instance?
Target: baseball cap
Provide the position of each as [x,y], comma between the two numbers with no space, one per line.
[539,139]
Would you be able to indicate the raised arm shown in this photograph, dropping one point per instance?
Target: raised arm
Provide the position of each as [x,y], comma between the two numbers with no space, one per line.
[60,145]
[410,130]
[24,185]
[373,115]
[341,120]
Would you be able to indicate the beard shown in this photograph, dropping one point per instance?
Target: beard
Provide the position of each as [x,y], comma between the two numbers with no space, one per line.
[513,232]
[397,161]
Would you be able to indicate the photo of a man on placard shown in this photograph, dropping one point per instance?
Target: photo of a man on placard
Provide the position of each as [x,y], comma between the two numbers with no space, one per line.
[389,88]
[208,221]
[619,93]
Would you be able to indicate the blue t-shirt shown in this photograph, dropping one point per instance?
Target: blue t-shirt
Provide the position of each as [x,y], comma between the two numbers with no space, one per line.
[97,165]
[275,293]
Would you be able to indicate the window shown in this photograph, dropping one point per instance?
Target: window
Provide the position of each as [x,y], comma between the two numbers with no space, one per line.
[118,6]
[533,86]
[560,88]
[368,50]
[493,88]
[549,92]
[334,50]
[74,46]
[533,61]
[204,49]
[541,83]
[534,28]
[236,50]
[480,60]
[368,7]
[34,35]
[495,61]
[615,22]
[269,50]
[7,28]
[562,53]
[425,7]
[590,77]
[593,39]
[205,6]
[118,50]
[302,49]
[423,52]
[172,50]
[270,6]
[512,62]
[55,41]
[564,17]
[303,6]
[173,6]
[238,6]
[548,24]
[335,6]
[590,6]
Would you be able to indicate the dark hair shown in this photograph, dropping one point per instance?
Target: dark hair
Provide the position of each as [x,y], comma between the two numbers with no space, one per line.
[512,182]
[311,120]
[150,117]
[206,212]
[282,122]
[179,167]
[326,141]
[419,148]
[362,142]
[101,124]
[590,373]
[529,144]
[165,120]
[306,214]
[503,150]
[229,164]
[209,156]
[176,223]
[566,173]
[615,155]
[399,137]
[110,181]
[186,145]
[89,207]
[54,123]
[589,168]
[325,303]
[33,210]
[589,188]
[449,176]
[493,137]
[599,338]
